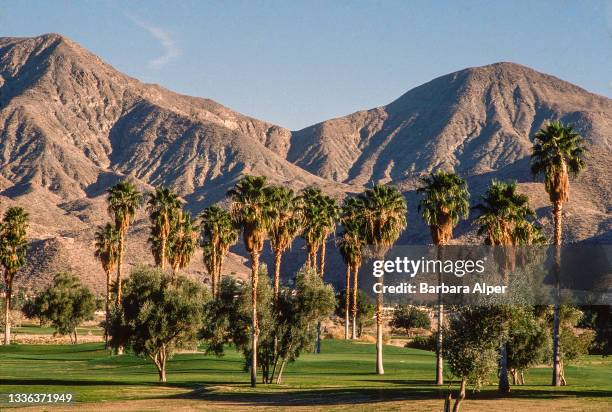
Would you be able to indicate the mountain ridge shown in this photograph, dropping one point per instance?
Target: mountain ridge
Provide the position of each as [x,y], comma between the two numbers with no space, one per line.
[71,125]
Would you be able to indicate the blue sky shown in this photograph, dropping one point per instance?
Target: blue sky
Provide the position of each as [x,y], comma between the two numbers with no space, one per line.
[297,63]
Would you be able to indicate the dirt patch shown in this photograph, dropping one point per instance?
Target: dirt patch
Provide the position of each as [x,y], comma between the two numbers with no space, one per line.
[33,339]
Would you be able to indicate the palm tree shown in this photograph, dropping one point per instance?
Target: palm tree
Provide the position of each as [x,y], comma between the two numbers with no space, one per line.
[285,218]
[182,241]
[163,205]
[249,208]
[503,216]
[445,201]
[557,154]
[13,245]
[330,212]
[352,242]
[123,201]
[218,235]
[320,214]
[385,211]
[312,211]
[107,252]
[502,210]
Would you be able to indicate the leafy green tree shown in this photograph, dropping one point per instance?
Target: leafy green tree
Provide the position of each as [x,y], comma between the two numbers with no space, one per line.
[307,304]
[13,248]
[572,343]
[163,207]
[182,241]
[557,154]
[291,323]
[229,319]
[285,216]
[409,317]
[503,220]
[159,314]
[384,211]
[107,252]
[445,200]
[123,202]
[471,341]
[249,208]
[528,342]
[351,245]
[218,234]
[66,304]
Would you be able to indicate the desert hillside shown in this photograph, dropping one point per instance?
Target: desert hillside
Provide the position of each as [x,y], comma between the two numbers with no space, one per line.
[71,125]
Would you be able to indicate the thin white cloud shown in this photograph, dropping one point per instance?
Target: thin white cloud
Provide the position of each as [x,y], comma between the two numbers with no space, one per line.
[171,50]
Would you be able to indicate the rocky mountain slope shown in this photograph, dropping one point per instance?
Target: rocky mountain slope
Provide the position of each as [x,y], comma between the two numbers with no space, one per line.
[71,125]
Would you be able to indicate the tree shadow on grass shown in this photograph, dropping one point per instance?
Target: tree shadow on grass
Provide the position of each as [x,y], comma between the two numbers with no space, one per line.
[315,397]
[338,396]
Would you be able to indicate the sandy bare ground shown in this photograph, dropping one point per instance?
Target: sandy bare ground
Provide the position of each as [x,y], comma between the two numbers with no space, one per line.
[46,339]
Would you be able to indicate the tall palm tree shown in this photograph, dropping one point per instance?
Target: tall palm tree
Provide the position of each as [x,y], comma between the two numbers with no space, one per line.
[445,201]
[557,154]
[385,211]
[320,215]
[330,212]
[182,241]
[352,242]
[13,245]
[107,252]
[163,205]
[312,232]
[219,233]
[285,218]
[502,218]
[123,202]
[249,208]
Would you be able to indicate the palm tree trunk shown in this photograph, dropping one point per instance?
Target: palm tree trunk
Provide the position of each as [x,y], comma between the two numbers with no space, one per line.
[347,301]
[380,370]
[354,308]
[120,268]
[556,378]
[504,382]
[277,267]
[163,252]
[254,326]
[7,311]
[322,263]
[439,358]
[439,337]
[107,307]
[119,276]
[213,269]
[219,266]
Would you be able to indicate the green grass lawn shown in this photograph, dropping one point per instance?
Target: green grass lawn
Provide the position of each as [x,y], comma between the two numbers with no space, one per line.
[341,374]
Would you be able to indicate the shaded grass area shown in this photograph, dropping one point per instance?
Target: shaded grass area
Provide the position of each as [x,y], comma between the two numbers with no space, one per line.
[342,374]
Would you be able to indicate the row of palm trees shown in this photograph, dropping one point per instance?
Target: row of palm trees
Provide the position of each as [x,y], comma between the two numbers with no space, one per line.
[374,218]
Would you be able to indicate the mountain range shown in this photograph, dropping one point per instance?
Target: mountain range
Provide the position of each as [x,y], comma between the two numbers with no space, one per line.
[71,126]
